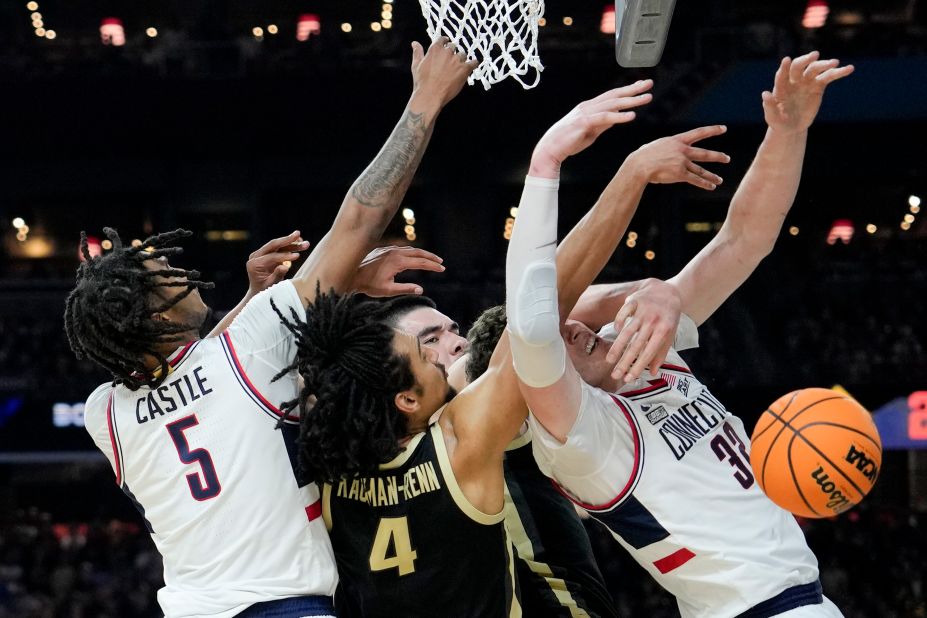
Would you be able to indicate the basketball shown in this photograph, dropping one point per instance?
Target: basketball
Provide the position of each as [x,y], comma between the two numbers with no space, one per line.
[816,452]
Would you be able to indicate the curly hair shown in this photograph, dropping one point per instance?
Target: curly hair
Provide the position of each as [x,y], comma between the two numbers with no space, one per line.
[349,423]
[483,337]
[107,316]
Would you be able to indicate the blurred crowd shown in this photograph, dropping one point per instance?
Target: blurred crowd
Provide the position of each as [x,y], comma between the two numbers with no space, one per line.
[869,559]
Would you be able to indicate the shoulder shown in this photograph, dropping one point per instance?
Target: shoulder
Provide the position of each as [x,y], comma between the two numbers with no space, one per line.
[96,406]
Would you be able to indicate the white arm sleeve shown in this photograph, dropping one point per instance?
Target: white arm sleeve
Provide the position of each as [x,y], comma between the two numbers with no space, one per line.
[538,352]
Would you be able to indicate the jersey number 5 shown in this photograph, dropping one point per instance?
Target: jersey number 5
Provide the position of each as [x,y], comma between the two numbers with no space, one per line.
[724,449]
[395,529]
[202,489]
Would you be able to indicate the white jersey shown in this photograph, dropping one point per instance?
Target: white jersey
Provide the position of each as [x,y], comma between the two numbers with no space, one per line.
[203,461]
[666,469]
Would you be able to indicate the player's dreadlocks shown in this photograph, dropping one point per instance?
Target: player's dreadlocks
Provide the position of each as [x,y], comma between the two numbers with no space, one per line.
[483,337]
[108,314]
[349,423]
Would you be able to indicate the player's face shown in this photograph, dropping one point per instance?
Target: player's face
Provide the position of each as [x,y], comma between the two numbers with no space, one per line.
[435,331]
[431,387]
[190,309]
[587,351]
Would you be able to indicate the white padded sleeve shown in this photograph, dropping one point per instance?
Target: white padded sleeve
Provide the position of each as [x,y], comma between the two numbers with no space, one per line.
[538,352]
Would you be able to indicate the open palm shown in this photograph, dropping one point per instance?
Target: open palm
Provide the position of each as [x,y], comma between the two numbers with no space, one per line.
[797,91]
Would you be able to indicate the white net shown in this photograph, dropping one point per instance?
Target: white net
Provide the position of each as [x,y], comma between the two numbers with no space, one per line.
[501,34]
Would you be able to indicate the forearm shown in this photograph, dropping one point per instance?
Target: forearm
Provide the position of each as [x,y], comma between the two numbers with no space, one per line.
[589,245]
[766,194]
[374,198]
[753,223]
[599,303]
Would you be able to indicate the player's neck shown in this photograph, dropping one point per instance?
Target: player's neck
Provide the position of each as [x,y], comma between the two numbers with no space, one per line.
[167,349]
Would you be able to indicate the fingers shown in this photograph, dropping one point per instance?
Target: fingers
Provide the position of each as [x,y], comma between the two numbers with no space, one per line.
[697,181]
[697,135]
[280,257]
[605,120]
[420,253]
[625,330]
[712,179]
[799,65]
[817,67]
[617,104]
[646,358]
[706,156]
[781,81]
[279,273]
[277,243]
[633,351]
[832,75]
[441,41]
[418,54]
[395,289]
[409,263]
[638,87]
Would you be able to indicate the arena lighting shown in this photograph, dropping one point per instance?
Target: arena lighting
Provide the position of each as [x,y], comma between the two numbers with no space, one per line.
[107,244]
[272,29]
[567,21]
[50,34]
[345,27]
[257,31]
[815,14]
[632,235]
[909,218]
[841,229]
[509,226]
[794,230]
[375,26]
[871,228]
[152,32]
[631,243]
[914,201]
[33,6]
[904,225]
[542,22]
[387,23]
[608,20]
[408,213]
[649,254]
[309,24]
[112,32]
[513,211]
[18,222]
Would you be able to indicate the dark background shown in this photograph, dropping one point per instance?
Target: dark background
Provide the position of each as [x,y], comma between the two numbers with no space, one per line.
[208,128]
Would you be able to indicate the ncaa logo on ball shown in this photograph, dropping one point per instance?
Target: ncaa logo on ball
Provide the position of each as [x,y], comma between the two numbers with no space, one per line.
[865,465]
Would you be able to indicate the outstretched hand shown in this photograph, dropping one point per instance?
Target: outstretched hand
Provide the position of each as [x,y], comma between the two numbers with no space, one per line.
[584,124]
[270,263]
[798,89]
[442,72]
[646,327]
[377,273]
[675,159]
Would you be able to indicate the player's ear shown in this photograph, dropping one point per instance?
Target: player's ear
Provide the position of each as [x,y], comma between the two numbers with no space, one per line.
[407,402]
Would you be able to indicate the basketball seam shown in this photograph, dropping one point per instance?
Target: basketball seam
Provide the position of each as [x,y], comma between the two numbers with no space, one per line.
[795,482]
[826,458]
[853,429]
[786,424]
[788,457]
[794,395]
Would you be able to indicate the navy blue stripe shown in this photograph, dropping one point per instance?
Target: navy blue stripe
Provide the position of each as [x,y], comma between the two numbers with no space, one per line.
[138,505]
[633,523]
[241,382]
[294,607]
[659,391]
[790,598]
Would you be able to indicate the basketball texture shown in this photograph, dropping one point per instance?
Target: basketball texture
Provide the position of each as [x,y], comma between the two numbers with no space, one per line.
[816,452]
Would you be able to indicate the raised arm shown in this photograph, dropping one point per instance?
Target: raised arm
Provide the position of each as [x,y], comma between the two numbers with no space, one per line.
[766,194]
[375,196]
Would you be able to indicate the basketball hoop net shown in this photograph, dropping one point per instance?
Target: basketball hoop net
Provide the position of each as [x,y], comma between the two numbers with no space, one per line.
[501,34]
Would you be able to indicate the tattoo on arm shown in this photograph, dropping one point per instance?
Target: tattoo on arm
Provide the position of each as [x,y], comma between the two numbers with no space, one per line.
[386,179]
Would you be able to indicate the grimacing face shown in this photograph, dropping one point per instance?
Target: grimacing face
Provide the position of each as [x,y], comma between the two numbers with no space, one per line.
[189,310]
[435,331]
[587,351]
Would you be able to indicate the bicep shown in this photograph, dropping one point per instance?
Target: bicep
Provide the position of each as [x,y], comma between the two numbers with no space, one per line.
[557,406]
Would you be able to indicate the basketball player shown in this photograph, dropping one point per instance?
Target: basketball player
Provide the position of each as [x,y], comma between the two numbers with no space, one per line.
[396,484]
[557,573]
[189,426]
[660,462]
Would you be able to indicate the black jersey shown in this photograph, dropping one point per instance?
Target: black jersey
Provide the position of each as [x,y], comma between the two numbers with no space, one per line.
[408,543]
[557,572]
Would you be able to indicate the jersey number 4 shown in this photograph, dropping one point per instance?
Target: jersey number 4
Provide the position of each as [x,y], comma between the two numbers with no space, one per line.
[724,449]
[393,531]
[208,486]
